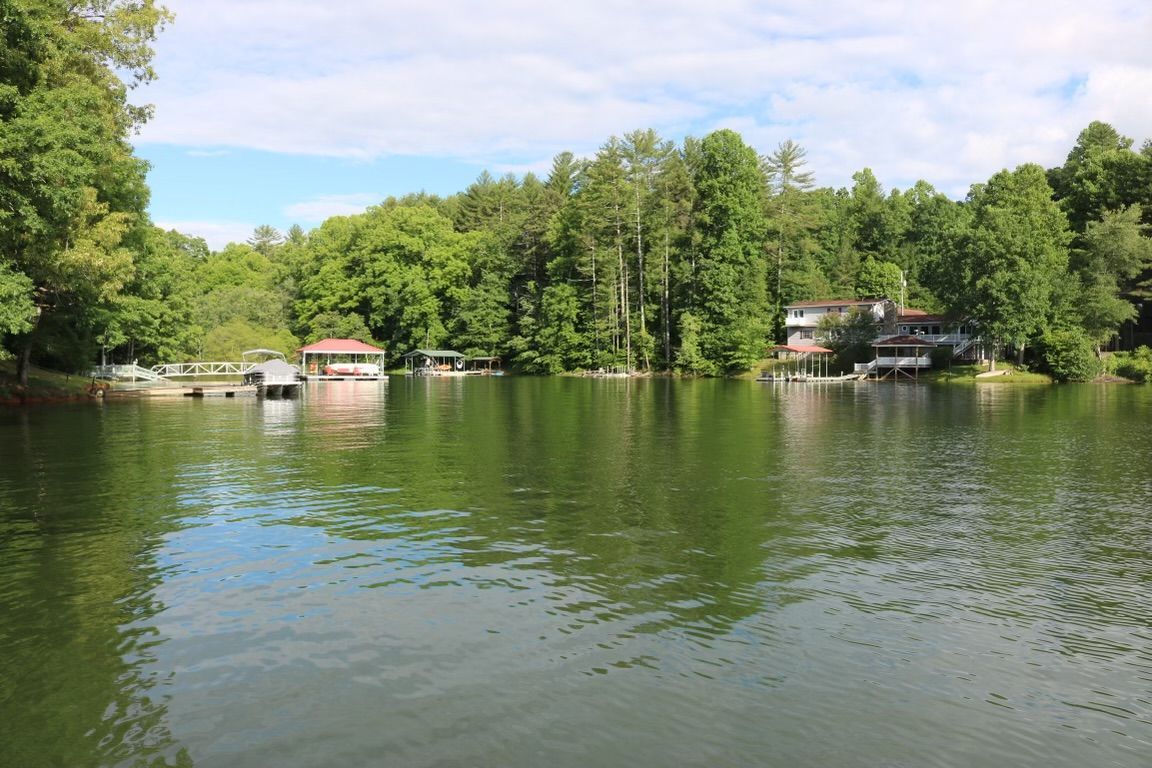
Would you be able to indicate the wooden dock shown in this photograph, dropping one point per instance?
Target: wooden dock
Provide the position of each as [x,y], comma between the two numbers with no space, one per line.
[804,379]
[198,391]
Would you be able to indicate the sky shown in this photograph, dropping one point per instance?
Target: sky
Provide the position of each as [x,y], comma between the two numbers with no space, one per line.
[287,112]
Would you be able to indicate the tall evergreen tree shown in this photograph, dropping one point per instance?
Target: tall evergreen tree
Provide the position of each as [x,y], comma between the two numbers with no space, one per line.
[731,298]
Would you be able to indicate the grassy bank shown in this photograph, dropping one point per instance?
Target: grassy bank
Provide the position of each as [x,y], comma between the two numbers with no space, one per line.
[1008,373]
[43,386]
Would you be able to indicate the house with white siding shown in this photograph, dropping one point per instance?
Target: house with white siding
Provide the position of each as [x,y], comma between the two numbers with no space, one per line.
[802,318]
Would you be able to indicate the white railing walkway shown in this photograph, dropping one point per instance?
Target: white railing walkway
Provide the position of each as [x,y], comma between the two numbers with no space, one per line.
[174,370]
[125,372]
[166,371]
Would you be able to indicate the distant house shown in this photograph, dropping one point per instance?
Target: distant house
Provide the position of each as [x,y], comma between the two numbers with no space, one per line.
[802,318]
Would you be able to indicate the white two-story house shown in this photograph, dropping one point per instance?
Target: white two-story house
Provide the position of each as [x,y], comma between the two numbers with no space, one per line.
[802,318]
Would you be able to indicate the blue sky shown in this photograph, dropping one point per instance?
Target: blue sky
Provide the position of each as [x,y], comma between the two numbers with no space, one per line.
[283,111]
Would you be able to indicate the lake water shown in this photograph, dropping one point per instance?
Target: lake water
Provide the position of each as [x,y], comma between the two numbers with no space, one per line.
[569,572]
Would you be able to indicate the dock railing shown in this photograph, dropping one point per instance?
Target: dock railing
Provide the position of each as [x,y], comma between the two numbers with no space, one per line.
[125,373]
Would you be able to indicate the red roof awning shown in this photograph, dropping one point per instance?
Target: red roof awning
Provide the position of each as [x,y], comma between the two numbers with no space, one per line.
[342,346]
[800,348]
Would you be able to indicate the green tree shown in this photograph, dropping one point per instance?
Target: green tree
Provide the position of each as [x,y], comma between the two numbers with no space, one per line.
[1014,259]
[731,290]
[1070,355]
[1114,254]
[1101,173]
[849,336]
[792,220]
[70,187]
[16,307]
[879,279]
[333,325]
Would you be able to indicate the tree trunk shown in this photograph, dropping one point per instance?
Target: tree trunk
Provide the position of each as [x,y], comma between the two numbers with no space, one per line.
[24,356]
[640,277]
[625,309]
[666,306]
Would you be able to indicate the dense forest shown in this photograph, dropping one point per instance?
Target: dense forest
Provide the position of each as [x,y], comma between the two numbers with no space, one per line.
[651,255]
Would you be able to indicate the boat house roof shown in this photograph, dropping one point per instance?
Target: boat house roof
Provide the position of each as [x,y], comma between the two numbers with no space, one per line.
[342,346]
[801,348]
[434,353]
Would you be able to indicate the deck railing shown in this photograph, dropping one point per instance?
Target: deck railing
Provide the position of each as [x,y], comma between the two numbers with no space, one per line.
[904,362]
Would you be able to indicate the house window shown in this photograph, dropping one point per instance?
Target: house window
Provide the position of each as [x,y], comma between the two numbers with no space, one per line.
[807,333]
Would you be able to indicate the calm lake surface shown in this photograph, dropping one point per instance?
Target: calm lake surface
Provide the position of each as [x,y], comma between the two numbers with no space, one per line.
[569,572]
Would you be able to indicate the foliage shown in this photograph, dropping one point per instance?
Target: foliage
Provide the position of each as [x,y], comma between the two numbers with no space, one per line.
[849,335]
[16,307]
[228,341]
[1135,365]
[879,279]
[71,191]
[1014,258]
[730,278]
[1069,355]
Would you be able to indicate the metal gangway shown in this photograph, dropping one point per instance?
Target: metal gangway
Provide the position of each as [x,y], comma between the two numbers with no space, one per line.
[130,372]
[165,371]
[182,370]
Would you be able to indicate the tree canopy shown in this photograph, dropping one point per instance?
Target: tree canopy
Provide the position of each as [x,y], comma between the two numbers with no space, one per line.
[647,255]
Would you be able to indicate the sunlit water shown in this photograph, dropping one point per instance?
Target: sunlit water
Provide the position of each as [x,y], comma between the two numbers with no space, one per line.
[564,572]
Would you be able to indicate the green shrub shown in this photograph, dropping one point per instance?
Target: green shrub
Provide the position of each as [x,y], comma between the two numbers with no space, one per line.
[1070,355]
[1136,366]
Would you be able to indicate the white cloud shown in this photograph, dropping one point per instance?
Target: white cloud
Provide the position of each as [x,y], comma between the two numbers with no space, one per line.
[216,233]
[320,208]
[947,91]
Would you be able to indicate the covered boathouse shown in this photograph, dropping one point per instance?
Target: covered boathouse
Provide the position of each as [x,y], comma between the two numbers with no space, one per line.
[337,359]
[434,362]
[801,362]
[901,357]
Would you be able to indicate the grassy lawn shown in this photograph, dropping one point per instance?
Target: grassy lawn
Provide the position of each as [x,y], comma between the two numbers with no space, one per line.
[41,383]
[967,374]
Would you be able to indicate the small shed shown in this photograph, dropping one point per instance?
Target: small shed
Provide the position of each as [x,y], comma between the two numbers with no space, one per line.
[342,359]
[434,362]
[902,356]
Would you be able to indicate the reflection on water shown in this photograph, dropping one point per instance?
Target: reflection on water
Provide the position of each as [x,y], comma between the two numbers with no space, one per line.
[519,571]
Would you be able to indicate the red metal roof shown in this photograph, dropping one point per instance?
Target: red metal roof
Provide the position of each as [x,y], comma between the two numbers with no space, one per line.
[799,348]
[341,345]
[903,341]
[919,316]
